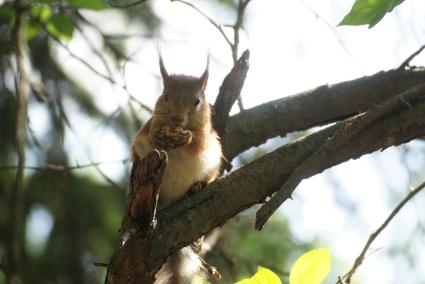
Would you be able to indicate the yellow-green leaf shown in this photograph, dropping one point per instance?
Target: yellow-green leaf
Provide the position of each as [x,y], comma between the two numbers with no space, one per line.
[263,276]
[311,268]
[33,29]
[41,13]
[199,280]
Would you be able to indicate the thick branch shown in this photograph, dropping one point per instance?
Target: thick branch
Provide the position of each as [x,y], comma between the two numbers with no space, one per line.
[349,129]
[186,220]
[320,106]
[230,90]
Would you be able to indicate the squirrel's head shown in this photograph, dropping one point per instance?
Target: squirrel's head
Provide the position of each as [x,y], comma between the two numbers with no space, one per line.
[183,99]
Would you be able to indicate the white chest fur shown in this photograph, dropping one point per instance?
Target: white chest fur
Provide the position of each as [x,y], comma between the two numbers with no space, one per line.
[184,168]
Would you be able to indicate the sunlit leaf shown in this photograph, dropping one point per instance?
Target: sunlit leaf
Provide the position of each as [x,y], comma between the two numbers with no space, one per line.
[39,13]
[369,12]
[263,276]
[311,268]
[42,13]
[33,29]
[89,4]
[199,280]
[61,26]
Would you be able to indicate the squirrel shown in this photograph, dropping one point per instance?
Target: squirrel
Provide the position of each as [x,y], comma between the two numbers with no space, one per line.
[181,125]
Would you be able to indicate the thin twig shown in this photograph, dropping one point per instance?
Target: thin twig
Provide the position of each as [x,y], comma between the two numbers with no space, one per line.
[234,46]
[219,27]
[61,168]
[107,178]
[108,37]
[82,61]
[331,28]
[242,4]
[95,71]
[347,277]
[128,5]
[101,56]
[124,36]
[410,58]
[100,264]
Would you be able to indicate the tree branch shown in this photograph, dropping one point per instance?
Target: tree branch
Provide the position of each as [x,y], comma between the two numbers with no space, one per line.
[242,4]
[229,92]
[217,26]
[95,71]
[349,129]
[188,219]
[406,62]
[124,6]
[359,260]
[61,168]
[16,220]
[317,107]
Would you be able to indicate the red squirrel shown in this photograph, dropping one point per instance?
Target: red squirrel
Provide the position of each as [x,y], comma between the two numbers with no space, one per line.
[181,125]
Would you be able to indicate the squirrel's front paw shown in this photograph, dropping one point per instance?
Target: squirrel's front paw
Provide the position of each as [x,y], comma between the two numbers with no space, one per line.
[168,138]
[182,138]
[160,140]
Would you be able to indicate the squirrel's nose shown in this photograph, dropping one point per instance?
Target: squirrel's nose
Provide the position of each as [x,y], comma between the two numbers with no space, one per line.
[177,120]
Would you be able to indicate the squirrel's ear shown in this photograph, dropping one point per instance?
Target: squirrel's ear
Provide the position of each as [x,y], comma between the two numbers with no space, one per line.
[204,78]
[164,73]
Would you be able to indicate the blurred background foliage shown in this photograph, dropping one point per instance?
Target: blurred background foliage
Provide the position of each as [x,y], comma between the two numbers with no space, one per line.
[71,215]
[73,206]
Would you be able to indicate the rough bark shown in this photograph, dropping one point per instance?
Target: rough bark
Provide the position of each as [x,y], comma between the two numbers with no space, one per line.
[320,106]
[229,92]
[188,219]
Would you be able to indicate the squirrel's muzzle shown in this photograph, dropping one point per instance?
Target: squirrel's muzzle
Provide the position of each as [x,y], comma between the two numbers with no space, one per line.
[177,120]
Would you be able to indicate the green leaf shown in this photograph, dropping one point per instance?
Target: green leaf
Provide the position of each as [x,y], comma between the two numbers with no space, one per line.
[263,276]
[199,280]
[46,1]
[33,29]
[89,4]
[369,12]
[7,15]
[39,13]
[61,26]
[311,268]
[42,13]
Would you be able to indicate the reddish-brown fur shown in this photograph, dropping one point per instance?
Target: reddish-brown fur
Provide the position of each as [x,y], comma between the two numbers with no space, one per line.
[194,153]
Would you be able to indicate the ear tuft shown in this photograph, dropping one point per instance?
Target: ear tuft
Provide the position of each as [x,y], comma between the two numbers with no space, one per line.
[204,77]
[164,73]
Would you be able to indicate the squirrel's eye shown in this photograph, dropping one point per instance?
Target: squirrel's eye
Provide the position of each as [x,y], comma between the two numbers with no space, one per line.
[165,98]
[197,101]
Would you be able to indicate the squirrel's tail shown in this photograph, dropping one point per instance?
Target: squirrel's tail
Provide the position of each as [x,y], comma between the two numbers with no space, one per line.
[182,266]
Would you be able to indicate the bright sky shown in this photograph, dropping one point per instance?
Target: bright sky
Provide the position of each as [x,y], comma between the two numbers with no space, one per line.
[291,50]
